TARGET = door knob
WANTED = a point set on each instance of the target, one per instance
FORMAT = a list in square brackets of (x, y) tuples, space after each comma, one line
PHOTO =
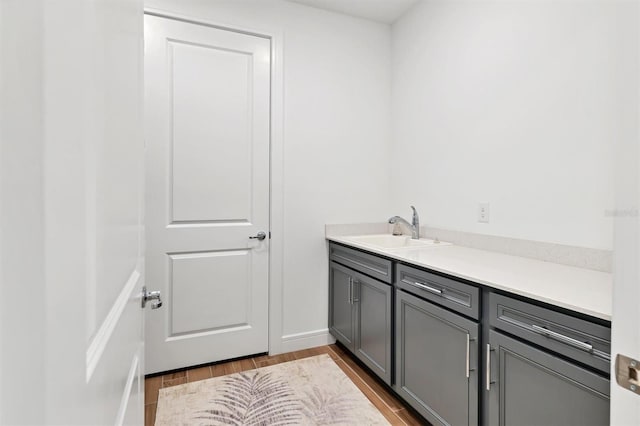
[(151, 295), (259, 236)]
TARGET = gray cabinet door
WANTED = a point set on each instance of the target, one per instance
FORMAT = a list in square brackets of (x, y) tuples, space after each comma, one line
[(373, 325), (531, 387), (341, 312), (436, 361)]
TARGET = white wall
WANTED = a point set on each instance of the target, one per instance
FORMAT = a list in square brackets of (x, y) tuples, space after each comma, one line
[(511, 103), (336, 132)]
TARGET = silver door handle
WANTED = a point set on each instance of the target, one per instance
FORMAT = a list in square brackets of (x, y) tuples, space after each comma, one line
[(259, 236), (488, 378), (562, 338), (350, 293), (468, 367), (151, 295), (467, 361)]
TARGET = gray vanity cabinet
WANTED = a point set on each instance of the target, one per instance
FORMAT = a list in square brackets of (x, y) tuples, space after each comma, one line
[(458, 346), (436, 361), (361, 312), (527, 386)]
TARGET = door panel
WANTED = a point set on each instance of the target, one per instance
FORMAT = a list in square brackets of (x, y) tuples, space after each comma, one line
[(207, 125), (431, 361), (110, 137), (341, 312), (211, 140), (373, 325), (533, 387), (198, 304)]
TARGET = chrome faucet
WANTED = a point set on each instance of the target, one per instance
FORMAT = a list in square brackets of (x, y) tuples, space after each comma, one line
[(414, 225)]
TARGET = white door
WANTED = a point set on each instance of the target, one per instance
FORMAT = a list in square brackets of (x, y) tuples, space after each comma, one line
[(207, 131), (625, 404), (72, 344), (94, 174)]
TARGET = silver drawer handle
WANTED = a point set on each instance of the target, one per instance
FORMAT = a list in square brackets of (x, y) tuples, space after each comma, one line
[(425, 287), (562, 338)]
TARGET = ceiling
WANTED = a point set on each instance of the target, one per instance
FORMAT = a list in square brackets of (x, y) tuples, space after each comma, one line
[(385, 11)]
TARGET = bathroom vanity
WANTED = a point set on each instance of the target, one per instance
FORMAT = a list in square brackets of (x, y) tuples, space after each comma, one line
[(471, 337)]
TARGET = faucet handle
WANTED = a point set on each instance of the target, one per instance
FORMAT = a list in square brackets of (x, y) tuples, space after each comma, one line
[(415, 221), (416, 218)]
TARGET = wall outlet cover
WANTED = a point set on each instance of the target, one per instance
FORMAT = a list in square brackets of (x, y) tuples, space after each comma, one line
[(483, 212)]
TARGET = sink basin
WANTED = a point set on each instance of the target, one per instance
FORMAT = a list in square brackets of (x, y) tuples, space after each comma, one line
[(393, 242)]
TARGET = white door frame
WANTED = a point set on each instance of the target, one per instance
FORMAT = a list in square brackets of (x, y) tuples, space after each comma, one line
[(276, 169)]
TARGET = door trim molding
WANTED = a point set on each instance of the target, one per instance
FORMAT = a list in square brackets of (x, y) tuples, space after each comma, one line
[(276, 169)]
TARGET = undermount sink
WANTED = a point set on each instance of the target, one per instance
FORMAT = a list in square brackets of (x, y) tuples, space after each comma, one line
[(394, 242)]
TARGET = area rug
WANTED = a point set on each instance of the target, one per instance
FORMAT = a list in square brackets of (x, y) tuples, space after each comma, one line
[(310, 391)]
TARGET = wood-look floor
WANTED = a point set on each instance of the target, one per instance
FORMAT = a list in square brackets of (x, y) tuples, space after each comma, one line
[(395, 411)]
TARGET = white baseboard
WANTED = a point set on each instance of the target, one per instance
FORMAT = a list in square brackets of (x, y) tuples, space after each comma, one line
[(306, 340)]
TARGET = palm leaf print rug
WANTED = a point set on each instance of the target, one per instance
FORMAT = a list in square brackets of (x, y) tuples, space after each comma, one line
[(310, 391)]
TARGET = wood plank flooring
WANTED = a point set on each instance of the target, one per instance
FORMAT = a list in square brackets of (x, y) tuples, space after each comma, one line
[(395, 411)]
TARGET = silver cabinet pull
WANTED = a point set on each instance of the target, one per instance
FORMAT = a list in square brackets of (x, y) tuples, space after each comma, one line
[(350, 293), (259, 236), (353, 292), (467, 361), (562, 338), (425, 287), (488, 369)]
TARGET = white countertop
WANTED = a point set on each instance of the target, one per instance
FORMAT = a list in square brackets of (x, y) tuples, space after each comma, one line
[(581, 290)]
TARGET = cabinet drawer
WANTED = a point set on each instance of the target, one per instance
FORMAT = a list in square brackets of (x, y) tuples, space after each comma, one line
[(578, 339), (455, 295), (368, 264)]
